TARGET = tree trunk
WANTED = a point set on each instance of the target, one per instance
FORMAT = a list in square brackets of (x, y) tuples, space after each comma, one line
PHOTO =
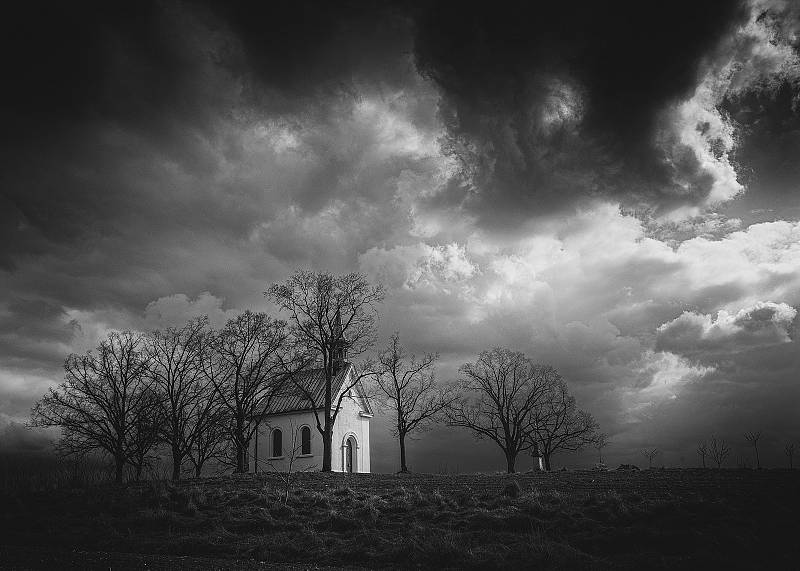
[(546, 456), (758, 462), (510, 461), (139, 468), (177, 460), (327, 447), (119, 466), (327, 434), (198, 469), (239, 457), (403, 467)]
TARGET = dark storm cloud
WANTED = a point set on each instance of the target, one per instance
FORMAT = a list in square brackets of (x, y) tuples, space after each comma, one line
[(34, 330), (769, 153), (72, 64), (146, 64), (91, 85), (133, 165), (549, 102), (544, 104), (102, 99), (312, 47)]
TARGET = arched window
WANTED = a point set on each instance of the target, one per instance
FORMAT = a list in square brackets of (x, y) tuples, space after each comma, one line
[(277, 443), (305, 440)]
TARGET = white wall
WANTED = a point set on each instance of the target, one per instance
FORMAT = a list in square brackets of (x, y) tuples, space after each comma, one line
[(348, 422), (287, 423)]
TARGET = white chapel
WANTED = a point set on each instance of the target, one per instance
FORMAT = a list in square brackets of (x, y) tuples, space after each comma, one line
[(289, 430)]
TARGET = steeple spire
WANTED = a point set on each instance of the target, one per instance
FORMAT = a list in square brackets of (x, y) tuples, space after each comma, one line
[(337, 325)]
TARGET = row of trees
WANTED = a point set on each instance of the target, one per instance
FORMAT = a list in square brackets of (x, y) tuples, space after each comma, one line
[(718, 450), (502, 397), (202, 393)]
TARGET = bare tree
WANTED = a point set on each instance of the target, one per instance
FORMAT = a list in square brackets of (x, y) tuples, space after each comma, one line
[(500, 392), (175, 368), (600, 441), (100, 401), (145, 435), (719, 451), (407, 386), (789, 451), (557, 422), (211, 433), (330, 315), (245, 364), (702, 451), (753, 438), (650, 454)]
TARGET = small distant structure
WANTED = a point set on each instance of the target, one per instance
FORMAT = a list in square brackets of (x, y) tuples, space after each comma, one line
[(538, 460), (275, 445)]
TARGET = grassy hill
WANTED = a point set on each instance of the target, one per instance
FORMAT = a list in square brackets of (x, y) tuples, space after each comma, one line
[(736, 519)]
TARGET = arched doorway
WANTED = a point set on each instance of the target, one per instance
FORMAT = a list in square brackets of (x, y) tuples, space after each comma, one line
[(350, 454)]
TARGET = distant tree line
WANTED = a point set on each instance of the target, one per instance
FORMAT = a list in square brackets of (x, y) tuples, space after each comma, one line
[(716, 451)]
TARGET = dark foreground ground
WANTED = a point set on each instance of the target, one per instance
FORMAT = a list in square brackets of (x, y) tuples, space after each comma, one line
[(659, 519)]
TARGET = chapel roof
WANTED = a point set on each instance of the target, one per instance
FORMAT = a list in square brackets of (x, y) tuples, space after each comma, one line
[(293, 399)]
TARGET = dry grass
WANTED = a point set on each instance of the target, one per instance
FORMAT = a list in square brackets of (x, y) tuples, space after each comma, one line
[(652, 519), (24, 473)]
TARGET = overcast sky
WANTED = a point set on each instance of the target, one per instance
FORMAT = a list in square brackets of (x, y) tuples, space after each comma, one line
[(608, 188)]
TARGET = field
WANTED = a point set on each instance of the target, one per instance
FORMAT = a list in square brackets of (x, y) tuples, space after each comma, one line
[(662, 519)]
